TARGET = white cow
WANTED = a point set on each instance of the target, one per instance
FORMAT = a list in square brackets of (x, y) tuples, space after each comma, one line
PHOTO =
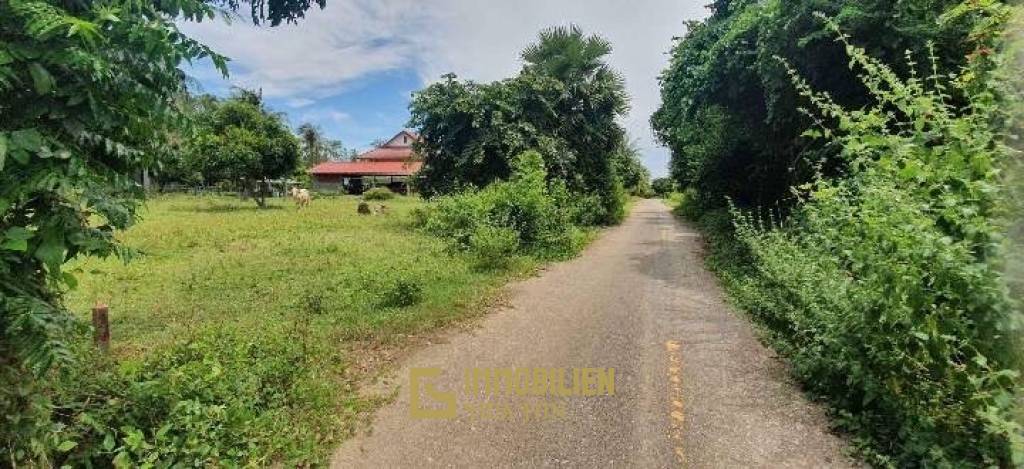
[(301, 197)]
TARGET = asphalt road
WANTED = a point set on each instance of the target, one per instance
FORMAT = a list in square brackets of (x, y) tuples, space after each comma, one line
[(693, 387)]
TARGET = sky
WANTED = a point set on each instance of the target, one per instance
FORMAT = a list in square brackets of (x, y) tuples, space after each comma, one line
[(352, 67)]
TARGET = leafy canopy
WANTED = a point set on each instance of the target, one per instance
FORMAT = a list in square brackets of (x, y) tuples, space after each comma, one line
[(729, 113), (241, 142)]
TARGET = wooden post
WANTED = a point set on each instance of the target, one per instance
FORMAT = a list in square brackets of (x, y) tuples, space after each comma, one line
[(101, 326)]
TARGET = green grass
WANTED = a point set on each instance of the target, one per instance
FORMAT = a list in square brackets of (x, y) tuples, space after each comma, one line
[(218, 260), (235, 329)]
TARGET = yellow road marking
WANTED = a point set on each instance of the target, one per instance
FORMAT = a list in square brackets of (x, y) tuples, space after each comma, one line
[(676, 390)]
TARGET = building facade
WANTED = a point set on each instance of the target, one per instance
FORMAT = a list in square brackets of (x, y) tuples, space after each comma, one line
[(392, 165)]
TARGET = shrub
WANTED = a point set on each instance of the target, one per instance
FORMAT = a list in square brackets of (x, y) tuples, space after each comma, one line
[(378, 193), (687, 204), (524, 205), (494, 246), (400, 293), (663, 187)]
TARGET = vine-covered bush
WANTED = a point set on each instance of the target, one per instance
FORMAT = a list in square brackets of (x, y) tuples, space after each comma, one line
[(89, 99), (885, 288)]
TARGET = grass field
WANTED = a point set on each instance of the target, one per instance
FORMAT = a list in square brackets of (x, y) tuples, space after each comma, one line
[(240, 335), (204, 260)]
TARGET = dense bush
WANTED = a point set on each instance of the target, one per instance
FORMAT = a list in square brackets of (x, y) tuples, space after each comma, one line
[(515, 216), (379, 193), (494, 246), (223, 398), (885, 288)]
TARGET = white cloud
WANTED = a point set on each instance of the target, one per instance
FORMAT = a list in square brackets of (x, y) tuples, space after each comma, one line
[(322, 116), (300, 102), (475, 39)]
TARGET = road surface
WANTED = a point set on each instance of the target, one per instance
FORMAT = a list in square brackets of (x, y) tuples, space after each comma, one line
[(692, 386)]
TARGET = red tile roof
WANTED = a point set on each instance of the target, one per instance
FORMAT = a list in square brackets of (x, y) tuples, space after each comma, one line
[(388, 154), (368, 168)]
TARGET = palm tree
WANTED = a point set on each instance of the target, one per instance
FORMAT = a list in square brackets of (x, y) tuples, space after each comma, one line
[(569, 55), (316, 147)]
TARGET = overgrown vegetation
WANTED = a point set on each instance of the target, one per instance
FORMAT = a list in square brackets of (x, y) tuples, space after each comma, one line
[(563, 105), (220, 397), (521, 216), (89, 100), (663, 187), (730, 114), (883, 279)]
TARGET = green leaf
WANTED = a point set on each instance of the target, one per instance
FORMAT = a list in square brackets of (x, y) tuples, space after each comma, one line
[(27, 139), (109, 442), (41, 78), (16, 239), (70, 280), (122, 460), (51, 250), (811, 133), (66, 446)]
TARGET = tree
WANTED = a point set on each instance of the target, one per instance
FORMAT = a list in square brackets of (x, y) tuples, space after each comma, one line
[(728, 112), (471, 131), (568, 55), (564, 104), (316, 147), (594, 99), (273, 11), (243, 143), (662, 187), (635, 177), (87, 101)]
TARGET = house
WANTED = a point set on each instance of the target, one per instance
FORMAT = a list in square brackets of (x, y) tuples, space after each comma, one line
[(392, 164)]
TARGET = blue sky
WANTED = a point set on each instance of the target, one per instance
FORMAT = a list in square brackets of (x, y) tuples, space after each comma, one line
[(352, 67), (368, 108)]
